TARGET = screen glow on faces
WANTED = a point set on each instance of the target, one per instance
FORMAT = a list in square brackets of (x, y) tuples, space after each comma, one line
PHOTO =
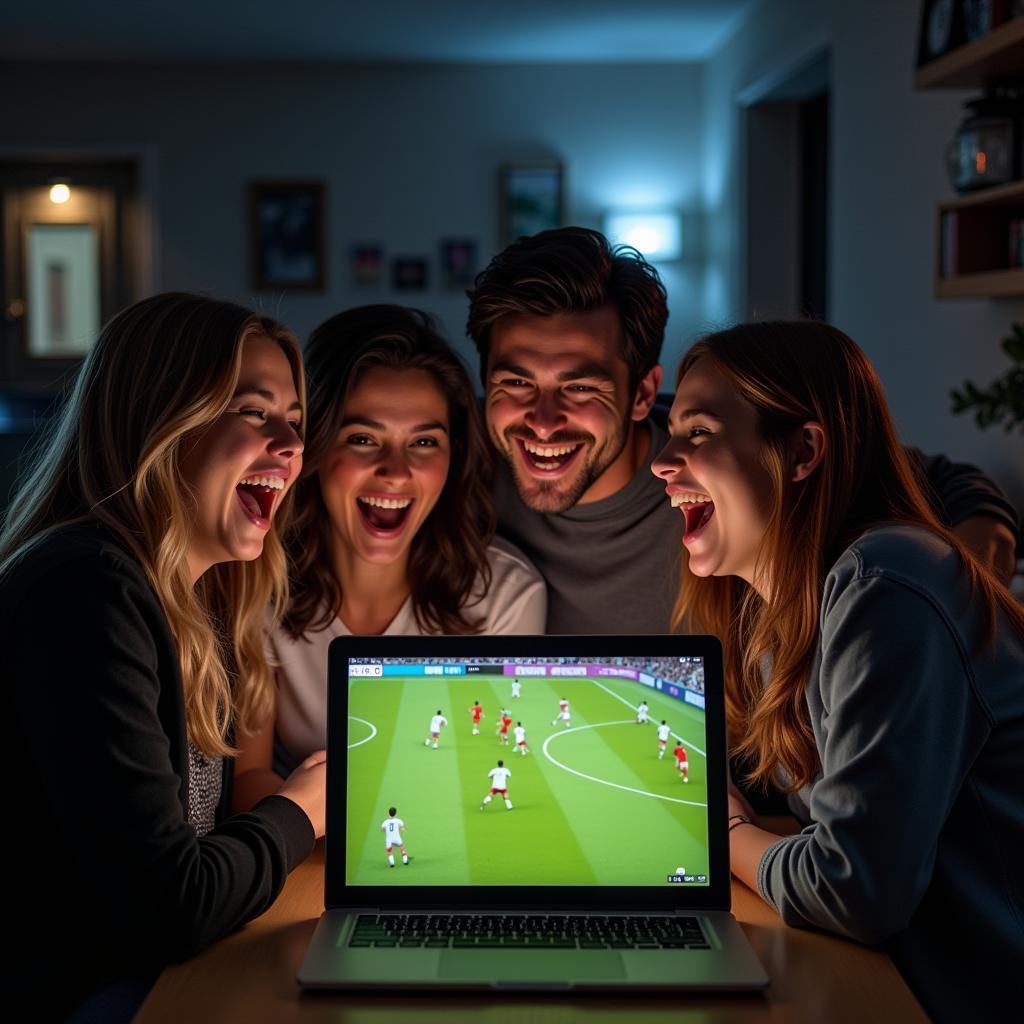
[(508, 772), (241, 465), (559, 406), (389, 464), (713, 474)]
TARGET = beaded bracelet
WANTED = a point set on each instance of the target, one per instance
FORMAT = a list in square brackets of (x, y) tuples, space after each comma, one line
[(736, 820)]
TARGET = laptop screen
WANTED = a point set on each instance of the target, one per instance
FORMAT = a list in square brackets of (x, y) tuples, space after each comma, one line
[(519, 771)]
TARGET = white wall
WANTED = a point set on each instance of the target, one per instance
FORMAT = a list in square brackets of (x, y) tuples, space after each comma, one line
[(887, 147), (410, 155)]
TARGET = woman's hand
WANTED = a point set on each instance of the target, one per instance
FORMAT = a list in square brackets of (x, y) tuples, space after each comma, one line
[(307, 787)]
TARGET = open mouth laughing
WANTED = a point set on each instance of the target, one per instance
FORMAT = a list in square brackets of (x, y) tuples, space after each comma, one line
[(549, 459), (697, 508), (384, 515), (257, 495)]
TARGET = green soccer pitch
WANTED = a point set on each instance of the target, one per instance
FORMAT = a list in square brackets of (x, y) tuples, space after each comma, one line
[(592, 804)]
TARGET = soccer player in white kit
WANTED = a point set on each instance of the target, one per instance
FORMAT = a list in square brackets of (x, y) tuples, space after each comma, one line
[(515, 687), (520, 734), (393, 828), (564, 714), (437, 723), (663, 734), (499, 784), (641, 712)]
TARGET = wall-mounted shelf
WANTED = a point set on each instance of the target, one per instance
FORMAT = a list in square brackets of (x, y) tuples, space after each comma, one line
[(993, 58), (996, 284), (972, 251)]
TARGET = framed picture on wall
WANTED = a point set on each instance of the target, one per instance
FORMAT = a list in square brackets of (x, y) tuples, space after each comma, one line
[(287, 246), (531, 198), (458, 263), (367, 264), (409, 273)]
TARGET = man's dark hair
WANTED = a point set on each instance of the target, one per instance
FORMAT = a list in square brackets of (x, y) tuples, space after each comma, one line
[(392, 811), (572, 270)]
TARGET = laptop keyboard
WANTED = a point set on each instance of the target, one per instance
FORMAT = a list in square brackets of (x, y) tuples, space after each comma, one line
[(498, 931)]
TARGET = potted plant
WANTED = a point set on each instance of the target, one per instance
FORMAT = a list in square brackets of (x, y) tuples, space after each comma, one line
[(1002, 402)]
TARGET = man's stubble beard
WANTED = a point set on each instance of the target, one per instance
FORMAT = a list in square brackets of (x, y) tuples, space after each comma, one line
[(547, 498)]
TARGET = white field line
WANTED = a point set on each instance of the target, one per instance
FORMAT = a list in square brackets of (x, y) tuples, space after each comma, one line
[(605, 782), (685, 743), (373, 731)]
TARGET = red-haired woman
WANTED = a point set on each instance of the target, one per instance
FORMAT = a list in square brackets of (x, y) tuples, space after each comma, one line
[(873, 665)]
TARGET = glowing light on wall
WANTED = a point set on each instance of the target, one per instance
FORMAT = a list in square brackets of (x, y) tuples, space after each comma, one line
[(657, 234), (59, 192)]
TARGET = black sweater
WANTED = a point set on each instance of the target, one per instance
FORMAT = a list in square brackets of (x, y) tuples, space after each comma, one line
[(105, 875)]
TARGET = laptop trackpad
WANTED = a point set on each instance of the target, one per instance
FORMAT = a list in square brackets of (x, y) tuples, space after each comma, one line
[(529, 965)]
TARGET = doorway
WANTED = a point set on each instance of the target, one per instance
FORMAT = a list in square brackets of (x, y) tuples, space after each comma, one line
[(68, 262), (786, 136)]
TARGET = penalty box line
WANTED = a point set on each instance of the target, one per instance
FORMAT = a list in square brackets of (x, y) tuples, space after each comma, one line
[(605, 782), (685, 743)]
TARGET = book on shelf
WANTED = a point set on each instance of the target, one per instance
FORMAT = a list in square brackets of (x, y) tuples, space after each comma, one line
[(949, 243)]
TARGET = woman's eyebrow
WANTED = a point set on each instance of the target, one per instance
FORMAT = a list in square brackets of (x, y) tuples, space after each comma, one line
[(264, 394), (362, 421), (689, 414)]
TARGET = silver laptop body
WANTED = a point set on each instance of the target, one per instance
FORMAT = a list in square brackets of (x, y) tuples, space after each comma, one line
[(540, 813)]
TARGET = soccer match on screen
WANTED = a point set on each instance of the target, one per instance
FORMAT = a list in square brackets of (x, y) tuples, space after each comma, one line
[(527, 772)]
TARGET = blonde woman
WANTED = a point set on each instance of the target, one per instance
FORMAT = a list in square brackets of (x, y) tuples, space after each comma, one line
[(136, 563)]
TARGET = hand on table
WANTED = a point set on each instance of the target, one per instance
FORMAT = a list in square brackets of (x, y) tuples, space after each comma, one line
[(307, 787)]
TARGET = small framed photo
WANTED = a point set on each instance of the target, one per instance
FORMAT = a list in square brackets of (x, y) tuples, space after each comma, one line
[(367, 264), (287, 235), (531, 198), (409, 273), (457, 263)]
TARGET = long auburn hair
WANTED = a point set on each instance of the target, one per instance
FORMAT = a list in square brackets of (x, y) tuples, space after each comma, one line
[(160, 373), (448, 558), (794, 372)]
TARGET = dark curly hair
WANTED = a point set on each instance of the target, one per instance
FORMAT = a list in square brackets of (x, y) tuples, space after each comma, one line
[(449, 553), (572, 270)]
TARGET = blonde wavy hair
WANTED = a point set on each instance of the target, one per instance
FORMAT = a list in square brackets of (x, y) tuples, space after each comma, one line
[(792, 373), (161, 372)]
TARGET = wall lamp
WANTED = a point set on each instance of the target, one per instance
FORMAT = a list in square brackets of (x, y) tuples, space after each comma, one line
[(657, 234)]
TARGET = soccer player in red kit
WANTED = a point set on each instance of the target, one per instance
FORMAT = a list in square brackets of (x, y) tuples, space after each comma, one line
[(681, 762), (477, 712), (503, 724)]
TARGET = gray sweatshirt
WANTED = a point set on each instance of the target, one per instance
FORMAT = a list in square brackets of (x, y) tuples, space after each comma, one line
[(916, 834)]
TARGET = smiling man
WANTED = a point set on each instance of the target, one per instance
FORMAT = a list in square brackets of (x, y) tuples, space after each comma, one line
[(569, 332)]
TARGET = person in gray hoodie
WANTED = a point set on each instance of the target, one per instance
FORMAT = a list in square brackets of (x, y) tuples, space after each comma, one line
[(874, 666)]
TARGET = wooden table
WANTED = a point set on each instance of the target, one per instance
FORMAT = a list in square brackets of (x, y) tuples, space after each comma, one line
[(249, 978)]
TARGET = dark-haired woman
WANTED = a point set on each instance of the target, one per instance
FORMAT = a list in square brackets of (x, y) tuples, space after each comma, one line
[(874, 666), (394, 524)]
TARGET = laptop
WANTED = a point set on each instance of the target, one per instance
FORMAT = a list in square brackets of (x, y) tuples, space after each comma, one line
[(527, 813)]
